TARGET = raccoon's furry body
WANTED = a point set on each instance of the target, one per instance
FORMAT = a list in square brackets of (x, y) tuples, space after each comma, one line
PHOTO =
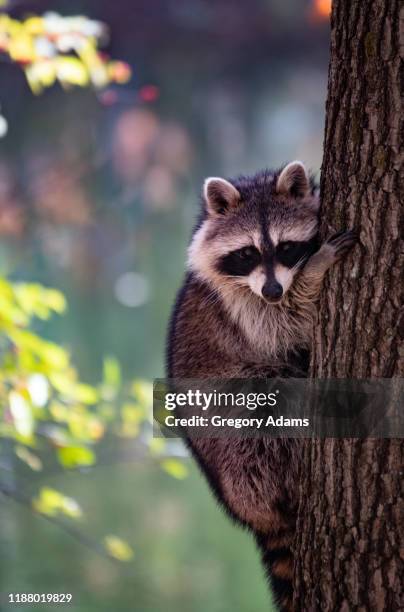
[(246, 311)]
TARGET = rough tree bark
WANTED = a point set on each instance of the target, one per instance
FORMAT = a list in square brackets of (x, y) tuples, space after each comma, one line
[(349, 547)]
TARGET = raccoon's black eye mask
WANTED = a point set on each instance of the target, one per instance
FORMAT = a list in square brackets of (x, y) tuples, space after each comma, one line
[(241, 262), (290, 253)]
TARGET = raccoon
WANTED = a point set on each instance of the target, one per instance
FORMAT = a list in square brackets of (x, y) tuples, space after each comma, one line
[(246, 309)]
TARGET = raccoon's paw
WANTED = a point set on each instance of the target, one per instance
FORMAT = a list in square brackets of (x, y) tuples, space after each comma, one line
[(341, 243), (331, 251)]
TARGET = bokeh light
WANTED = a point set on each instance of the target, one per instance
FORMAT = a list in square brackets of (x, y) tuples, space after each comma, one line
[(322, 8), (3, 126), (132, 289)]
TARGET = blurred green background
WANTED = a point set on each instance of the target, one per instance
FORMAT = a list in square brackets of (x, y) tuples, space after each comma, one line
[(98, 193)]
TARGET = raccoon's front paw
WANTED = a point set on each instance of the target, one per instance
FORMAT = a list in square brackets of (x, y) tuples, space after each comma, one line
[(329, 253), (341, 243)]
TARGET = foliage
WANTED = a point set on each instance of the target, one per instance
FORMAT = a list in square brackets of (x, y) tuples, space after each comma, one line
[(48, 414), (53, 48)]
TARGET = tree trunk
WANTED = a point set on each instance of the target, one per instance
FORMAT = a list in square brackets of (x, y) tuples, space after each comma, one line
[(349, 547)]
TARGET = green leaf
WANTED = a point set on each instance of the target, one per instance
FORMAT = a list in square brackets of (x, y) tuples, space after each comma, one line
[(157, 446), (112, 372), (132, 413), (32, 350), (75, 456), (67, 386), (175, 468), (86, 394), (84, 425), (143, 392)]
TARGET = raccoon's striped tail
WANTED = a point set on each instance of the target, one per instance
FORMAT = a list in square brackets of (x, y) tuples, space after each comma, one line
[(278, 562)]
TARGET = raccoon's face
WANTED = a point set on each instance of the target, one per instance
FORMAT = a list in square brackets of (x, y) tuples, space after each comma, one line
[(257, 233)]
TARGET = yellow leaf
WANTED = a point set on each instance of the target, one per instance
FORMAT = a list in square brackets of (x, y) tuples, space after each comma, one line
[(86, 394), (71, 70), (52, 503), (56, 300), (21, 48), (36, 299), (175, 468), (41, 74), (34, 25), (117, 548), (75, 456)]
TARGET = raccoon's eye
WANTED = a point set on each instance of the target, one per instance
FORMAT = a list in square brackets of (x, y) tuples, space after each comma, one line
[(290, 253), (240, 262), (285, 247), (247, 253)]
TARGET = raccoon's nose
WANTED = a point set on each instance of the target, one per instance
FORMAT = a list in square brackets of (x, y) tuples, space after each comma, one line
[(272, 290)]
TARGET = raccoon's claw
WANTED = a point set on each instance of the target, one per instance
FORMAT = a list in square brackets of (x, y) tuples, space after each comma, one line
[(342, 242), (331, 251)]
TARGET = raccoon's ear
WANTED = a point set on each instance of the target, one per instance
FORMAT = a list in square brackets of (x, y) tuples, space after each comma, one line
[(220, 196), (294, 180)]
